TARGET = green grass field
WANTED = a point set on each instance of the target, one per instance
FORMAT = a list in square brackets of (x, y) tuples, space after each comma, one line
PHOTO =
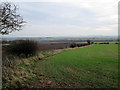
[(94, 66)]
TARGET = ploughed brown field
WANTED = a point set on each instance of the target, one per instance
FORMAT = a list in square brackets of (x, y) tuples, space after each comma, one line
[(52, 46)]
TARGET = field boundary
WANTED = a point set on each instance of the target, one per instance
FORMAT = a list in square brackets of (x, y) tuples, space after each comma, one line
[(78, 47), (66, 49)]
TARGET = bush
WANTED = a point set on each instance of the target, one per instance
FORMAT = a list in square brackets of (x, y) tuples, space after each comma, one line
[(79, 45), (73, 45), (92, 42), (88, 41), (23, 47)]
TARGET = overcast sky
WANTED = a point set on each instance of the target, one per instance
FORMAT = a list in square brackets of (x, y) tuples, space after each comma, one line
[(55, 18)]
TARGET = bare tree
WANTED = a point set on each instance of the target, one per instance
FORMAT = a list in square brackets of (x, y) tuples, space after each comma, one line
[(9, 19)]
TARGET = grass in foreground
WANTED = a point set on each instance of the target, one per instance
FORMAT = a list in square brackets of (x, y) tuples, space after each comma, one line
[(95, 66), (22, 72)]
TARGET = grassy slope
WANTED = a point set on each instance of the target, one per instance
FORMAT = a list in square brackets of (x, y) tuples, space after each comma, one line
[(23, 72), (94, 66)]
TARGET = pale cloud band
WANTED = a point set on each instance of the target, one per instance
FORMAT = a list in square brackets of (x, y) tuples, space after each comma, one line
[(68, 17)]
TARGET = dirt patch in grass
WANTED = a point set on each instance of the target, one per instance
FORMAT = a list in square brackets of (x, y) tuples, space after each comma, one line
[(43, 83), (71, 70)]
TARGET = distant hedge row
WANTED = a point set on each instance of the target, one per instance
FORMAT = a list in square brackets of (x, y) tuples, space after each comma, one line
[(102, 43), (105, 43), (78, 45)]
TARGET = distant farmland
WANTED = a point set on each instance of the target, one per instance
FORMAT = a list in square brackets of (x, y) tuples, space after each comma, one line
[(63, 39), (52, 46)]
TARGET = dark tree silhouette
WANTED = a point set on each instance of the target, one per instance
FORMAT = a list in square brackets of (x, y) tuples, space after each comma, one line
[(9, 19), (88, 41), (23, 47)]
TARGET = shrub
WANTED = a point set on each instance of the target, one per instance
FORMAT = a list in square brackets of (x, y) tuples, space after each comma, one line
[(79, 45), (23, 47), (73, 45), (92, 42), (88, 41)]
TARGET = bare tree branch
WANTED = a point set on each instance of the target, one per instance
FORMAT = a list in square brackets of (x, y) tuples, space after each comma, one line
[(10, 21)]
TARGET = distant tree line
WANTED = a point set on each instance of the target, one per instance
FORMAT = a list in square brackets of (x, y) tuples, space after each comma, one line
[(106, 43), (80, 44), (73, 45)]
